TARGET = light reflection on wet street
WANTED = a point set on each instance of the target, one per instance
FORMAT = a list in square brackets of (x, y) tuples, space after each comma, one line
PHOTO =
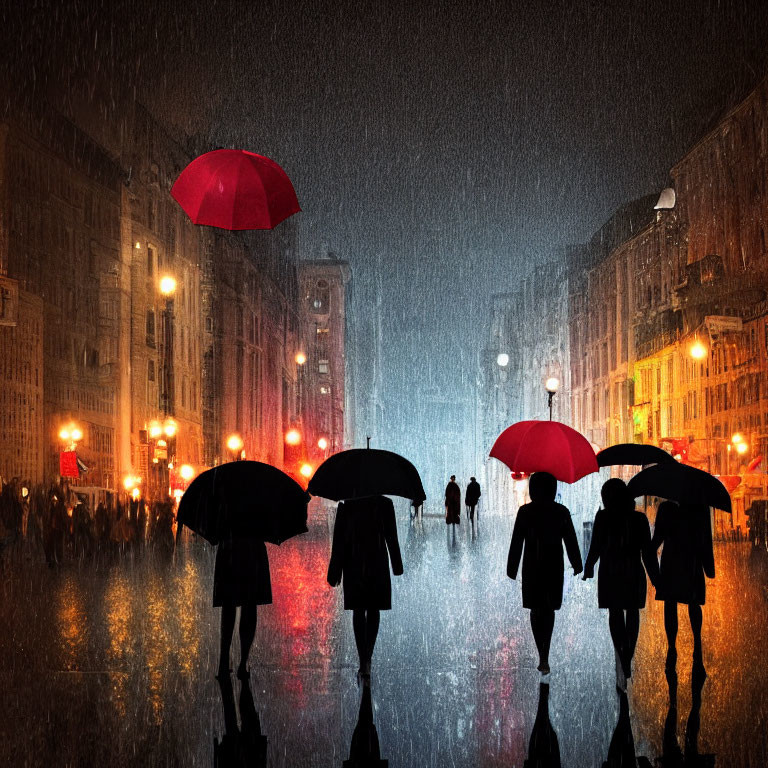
[(112, 661)]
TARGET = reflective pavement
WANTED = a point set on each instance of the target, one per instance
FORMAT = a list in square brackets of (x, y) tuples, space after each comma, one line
[(112, 662)]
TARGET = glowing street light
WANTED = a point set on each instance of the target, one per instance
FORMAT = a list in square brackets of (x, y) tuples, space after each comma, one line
[(293, 437), (300, 358), (155, 429), (235, 443), (736, 438), (167, 285), (70, 434), (741, 448), (170, 427), (322, 443), (502, 360), (551, 385), (187, 472), (306, 470), (697, 350)]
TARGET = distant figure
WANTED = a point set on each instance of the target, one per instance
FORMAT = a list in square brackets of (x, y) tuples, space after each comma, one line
[(472, 496), (452, 502), (543, 526), (621, 536), (240, 579), (686, 533), (364, 541)]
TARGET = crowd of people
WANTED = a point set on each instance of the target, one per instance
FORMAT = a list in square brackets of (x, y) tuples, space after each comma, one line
[(59, 523)]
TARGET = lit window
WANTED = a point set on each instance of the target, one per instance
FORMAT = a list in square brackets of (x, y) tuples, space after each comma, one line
[(323, 366), (325, 390)]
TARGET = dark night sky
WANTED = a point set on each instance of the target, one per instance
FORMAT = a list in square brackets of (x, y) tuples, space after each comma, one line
[(458, 141)]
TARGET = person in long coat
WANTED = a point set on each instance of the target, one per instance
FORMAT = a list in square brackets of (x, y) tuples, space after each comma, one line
[(240, 579), (452, 502), (541, 528), (685, 531), (364, 542), (621, 541), (472, 496)]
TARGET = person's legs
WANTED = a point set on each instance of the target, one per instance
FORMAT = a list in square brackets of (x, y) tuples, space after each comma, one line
[(227, 628), (359, 627), (670, 627), (542, 624), (372, 631), (694, 613), (633, 629), (619, 636), (247, 633)]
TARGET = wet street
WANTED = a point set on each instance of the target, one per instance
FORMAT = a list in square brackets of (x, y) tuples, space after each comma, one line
[(112, 662)]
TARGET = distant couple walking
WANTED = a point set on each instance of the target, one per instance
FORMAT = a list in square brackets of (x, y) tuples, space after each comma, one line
[(453, 500), (622, 542)]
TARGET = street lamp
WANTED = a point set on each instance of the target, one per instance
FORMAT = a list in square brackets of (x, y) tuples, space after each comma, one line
[(235, 445), (551, 385), (306, 470), (322, 443), (293, 437), (502, 360), (697, 350), (167, 290), (300, 358), (70, 435)]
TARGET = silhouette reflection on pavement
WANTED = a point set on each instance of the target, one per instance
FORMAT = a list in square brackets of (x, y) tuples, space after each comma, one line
[(243, 746), (543, 748), (364, 750)]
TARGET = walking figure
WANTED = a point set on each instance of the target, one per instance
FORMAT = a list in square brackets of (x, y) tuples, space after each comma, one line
[(541, 527), (621, 541), (471, 497), (685, 532), (364, 542), (452, 502), (240, 579)]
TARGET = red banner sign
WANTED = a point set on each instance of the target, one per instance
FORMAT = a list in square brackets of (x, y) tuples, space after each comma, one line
[(68, 464)]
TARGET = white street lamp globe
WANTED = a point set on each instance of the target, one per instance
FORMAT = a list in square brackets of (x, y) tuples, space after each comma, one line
[(502, 360), (551, 385)]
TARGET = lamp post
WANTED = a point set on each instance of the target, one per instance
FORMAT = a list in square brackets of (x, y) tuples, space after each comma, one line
[(235, 446), (167, 290), (551, 385)]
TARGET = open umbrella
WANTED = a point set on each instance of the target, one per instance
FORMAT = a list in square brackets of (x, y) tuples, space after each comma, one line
[(681, 483), (632, 454), (235, 189), (244, 498), (545, 446), (360, 472)]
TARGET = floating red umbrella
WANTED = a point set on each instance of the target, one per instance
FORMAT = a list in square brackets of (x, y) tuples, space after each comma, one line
[(545, 446), (235, 189)]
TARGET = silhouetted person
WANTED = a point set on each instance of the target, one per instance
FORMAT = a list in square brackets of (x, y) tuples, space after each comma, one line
[(364, 751), (621, 541), (472, 496), (686, 533), (621, 751), (543, 526), (243, 746), (543, 747), (452, 502), (364, 541), (240, 579)]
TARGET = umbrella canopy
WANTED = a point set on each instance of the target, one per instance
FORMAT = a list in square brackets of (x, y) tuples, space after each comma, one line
[(545, 446), (244, 498), (361, 472), (681, 483), (235, 189), (632, 454)]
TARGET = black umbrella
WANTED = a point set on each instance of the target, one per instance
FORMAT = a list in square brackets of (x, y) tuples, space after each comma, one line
[(681, 483), (632, 454), (361, 472), (245, 499)]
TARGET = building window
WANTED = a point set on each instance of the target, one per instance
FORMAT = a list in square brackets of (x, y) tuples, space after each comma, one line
[(151, 262), (323, 366), (209, 324), (325, 390), (150, 370), (150, 327)]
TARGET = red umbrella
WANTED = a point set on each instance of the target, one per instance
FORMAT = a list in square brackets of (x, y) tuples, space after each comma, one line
[(235, 189), (545, 446)]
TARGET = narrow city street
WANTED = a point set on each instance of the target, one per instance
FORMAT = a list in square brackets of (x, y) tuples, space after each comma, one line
[(111, 661)]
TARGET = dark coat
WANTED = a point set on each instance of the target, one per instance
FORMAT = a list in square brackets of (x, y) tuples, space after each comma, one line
[(241, 573), (364, 541), (472, 494), (686, 533), (620, 538), (543, 527), (452, 503)]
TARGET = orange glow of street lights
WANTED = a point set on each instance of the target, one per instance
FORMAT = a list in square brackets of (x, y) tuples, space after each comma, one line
[(235, 443), (155, 429), (300, 358), (167, 285), (741, 448), (187, 472), (170, 427), (293, 437), (322, 443), (698, 351), (306, 470), (71, 434)]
